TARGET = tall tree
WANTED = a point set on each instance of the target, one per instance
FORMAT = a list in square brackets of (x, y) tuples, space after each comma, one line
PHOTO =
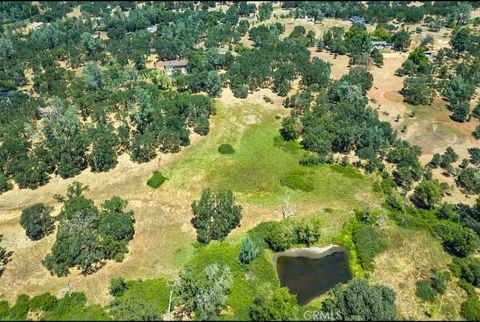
[(215, 215)]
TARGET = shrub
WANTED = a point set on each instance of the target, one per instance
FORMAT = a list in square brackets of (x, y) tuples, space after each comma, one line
[(133, 309), (469, 180), (156, 180), (226, 149), (19, 310), (447, 212), (470, 309), (36, 221), (388, 185), (476, 132), (204, 293), (311, 159), (396, 201), (118, 286), (428, 194), (274, 304), (142, 300), (462, 241), (5, 184), (362, 302), (474, 155), (44, 302), (425, 290), (267, 99), (248, 251), (280, 237), (368, 244), (307, 231), (440, 280), (290, 129), (468, 269)]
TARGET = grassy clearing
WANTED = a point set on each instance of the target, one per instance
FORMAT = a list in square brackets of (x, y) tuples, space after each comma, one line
[(261, 160), (156, 180), (409, 257), (298, 180)]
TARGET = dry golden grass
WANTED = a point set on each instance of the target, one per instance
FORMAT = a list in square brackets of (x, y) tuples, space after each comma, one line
[(410, 257)]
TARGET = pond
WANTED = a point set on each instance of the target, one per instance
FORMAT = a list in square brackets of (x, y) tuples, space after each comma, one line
[(311, 272)]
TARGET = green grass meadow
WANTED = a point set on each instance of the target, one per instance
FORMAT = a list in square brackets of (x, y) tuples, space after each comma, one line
[(264, 168)]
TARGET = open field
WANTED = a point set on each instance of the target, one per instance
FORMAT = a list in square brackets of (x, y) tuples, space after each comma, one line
[(410, 256), (164, 235)]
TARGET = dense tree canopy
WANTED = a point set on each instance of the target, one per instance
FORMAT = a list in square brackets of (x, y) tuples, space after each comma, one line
[(362, 301), (37, 221), (87, 237), (215, 215)]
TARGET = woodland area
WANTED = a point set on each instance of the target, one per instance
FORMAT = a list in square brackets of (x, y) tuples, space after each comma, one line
[(80, 91)]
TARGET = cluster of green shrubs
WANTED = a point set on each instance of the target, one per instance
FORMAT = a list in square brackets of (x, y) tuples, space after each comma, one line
[(468, 270), (139, 300), (366, 238), (282, 235), (361, 301), (428, 289), (368, 244), (470, 309), (459, 233), (69, 308)]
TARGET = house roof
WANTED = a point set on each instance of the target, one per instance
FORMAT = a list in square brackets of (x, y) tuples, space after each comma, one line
[(152, 28), (175, 63)]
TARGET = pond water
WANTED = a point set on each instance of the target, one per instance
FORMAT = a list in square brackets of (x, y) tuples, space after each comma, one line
[(310, 273)]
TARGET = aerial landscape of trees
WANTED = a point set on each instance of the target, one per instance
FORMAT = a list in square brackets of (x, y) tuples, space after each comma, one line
[(86, 93)]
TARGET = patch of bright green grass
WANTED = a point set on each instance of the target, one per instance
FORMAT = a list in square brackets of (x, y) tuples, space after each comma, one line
[(156, 180), (261, 159), (298, 179), (287, 146)]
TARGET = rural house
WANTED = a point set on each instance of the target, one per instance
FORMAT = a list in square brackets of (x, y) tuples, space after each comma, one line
[(380, 44), (170, 65)]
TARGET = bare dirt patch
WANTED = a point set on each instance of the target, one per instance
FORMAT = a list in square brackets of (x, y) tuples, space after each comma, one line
[(75, 13), (339, 63)]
